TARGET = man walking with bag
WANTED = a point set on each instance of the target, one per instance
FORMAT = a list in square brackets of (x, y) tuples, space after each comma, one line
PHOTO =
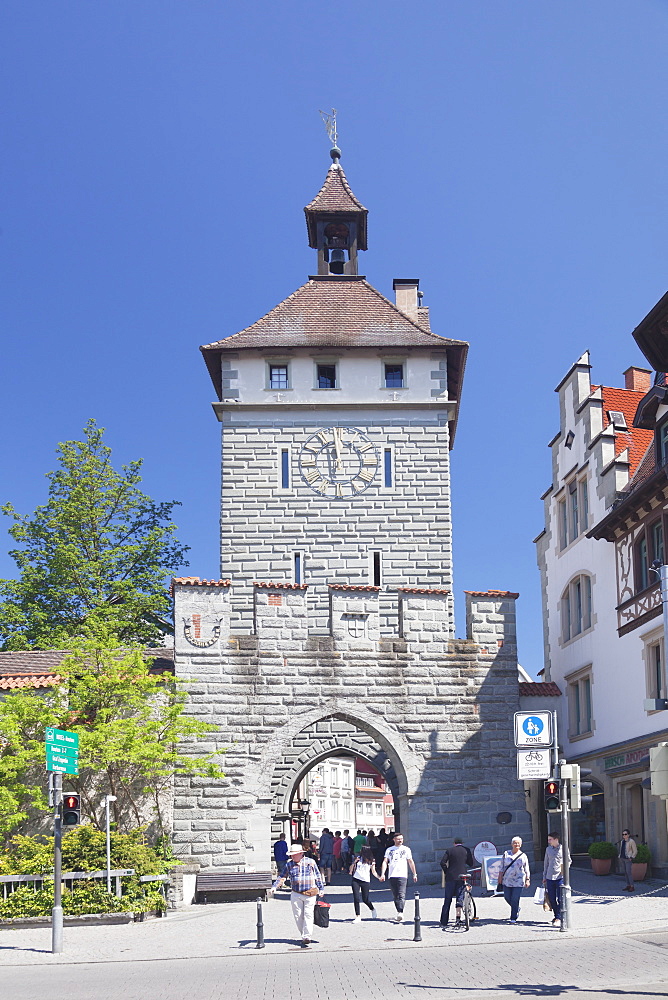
[(306, 883)]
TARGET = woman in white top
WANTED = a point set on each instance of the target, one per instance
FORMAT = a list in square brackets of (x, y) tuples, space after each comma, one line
[(362, 868), (514, 876)]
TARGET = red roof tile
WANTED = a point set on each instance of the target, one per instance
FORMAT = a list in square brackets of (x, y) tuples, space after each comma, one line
[(537, 688), (491, 593), (636, 440), (38, 668), (281, 586), (350, 586), (421, 590), (194, 581), (335, 194)]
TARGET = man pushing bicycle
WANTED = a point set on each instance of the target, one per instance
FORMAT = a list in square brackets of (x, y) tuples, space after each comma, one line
[(454, 863)]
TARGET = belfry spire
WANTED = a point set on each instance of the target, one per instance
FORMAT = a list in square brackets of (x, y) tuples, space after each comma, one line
[(336, 219)]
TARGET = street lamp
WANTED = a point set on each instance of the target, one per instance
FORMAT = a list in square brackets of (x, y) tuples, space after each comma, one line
[(107, 800)]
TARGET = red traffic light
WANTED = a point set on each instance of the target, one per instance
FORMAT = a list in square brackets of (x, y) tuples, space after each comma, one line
[(551, 795), (71, 810)]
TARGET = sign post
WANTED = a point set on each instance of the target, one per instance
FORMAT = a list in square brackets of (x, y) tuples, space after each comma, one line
[(62, 757)]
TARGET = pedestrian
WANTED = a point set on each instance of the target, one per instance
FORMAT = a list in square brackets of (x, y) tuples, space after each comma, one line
[(311, 851), (306, 883), (359, 842), (380, 848), (326, 847), (336, 850), (553, 878), (361, 871), (627, 853), (456, 860), (514, 876), (280, 853), (347, 850), (396, 862)]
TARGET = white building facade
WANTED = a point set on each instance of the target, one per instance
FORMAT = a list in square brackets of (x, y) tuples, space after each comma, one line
[(602, 662)]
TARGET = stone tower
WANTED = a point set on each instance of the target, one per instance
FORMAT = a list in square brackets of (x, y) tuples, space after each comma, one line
[(331, 628)]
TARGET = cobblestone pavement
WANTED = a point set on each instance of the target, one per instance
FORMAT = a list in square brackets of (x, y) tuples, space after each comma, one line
[(619, 947)]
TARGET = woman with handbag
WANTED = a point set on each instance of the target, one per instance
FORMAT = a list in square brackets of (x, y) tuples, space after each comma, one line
[(361, 871), (514, 876), (306, 883)]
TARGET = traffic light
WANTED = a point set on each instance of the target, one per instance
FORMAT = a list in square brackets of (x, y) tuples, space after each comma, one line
[(658, 770), (71, 810), (551, 796), (579, 788)]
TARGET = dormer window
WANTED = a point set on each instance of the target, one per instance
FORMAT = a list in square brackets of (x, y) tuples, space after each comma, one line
[(662, 444), (618, 420), (278, 377)]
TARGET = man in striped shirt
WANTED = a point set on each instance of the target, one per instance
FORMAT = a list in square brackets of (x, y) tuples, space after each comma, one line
[(305, 877)]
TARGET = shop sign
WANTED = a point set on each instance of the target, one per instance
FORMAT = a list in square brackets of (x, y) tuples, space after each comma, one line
[(626, 759)]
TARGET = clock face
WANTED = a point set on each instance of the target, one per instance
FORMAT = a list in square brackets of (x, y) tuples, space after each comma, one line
[(338, 462)]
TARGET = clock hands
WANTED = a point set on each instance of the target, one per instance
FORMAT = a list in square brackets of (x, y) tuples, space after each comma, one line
[(337, 445)]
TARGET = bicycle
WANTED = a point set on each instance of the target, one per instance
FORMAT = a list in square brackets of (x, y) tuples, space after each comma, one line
[(468, 904)]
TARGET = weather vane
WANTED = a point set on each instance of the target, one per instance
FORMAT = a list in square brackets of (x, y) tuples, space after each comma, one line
[(329, 120)]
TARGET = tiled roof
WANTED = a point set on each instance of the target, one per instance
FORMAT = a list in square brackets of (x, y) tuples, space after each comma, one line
[(350, 586), (335, 194), (491, 593), (421, 590), (636, 440), (535, 689), (39, 668), (194, 581), (281, 586), (333, 311)]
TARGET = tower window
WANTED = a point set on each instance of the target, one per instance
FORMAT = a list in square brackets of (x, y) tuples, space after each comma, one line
[(387, 466), (298, 567), (285, 469), (326, 376), (278, 377), (394, 376), (376, 568)]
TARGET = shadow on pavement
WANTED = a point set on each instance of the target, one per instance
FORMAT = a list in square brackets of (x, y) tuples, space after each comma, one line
[(537, 990)]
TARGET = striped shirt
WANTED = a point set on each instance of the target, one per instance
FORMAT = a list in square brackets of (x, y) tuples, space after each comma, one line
[(303, 875)]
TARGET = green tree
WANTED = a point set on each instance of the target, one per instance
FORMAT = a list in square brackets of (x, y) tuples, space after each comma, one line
[(134, 737), (95, 555)]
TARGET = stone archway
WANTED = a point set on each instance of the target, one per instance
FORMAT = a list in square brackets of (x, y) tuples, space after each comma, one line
[(317, 741)]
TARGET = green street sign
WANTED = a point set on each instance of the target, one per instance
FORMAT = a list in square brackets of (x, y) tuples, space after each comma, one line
[(57, 752), (62, 738), (62, 763)]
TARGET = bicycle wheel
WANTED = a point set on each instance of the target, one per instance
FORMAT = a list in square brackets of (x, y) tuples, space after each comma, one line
[(468, 906)]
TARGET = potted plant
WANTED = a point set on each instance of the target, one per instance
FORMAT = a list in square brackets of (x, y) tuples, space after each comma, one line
[(601, 853), (640, 863)]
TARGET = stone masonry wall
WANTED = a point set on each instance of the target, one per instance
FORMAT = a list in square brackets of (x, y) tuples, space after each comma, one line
[(262, 525), (438, 711)]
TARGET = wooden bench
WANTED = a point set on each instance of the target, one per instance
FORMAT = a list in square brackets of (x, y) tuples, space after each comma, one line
[(219, 887)]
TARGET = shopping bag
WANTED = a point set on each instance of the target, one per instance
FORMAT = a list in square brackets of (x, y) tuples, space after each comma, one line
[(321, 914), (539, 896)]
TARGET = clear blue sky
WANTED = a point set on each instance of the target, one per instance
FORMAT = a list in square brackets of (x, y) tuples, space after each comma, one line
[(512, 154)]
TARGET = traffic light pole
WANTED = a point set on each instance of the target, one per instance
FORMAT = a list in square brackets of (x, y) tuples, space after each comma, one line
[(566, 846), (57, 911)]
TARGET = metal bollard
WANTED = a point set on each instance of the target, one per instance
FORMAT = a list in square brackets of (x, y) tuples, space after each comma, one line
[(260, 925), (417, 936)]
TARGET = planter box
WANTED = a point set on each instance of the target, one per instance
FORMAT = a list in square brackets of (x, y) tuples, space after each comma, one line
[(639, 870), (601, 866), (80, 920)]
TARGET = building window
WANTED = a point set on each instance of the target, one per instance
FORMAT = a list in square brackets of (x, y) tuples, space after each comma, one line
[(360, 808), (394, 376), (387, 466), (581, 722), (662, 444), (346, 810), (334, 777), (346, 777), (573, 511), (641, 563), (389, 809), (656, 538), (368, 808), (326, 377), (278, 377), (576, 614), (376, 569), (298, 568), (335, 809), (285, 469), (584, 504), (655, 671), (379, 808), (364, 782), (562, 519)]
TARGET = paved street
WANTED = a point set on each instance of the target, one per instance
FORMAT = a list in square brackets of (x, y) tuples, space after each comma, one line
[(619, 947)]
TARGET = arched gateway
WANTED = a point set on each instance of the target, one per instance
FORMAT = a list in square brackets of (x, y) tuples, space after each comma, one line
[(335, 629)]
